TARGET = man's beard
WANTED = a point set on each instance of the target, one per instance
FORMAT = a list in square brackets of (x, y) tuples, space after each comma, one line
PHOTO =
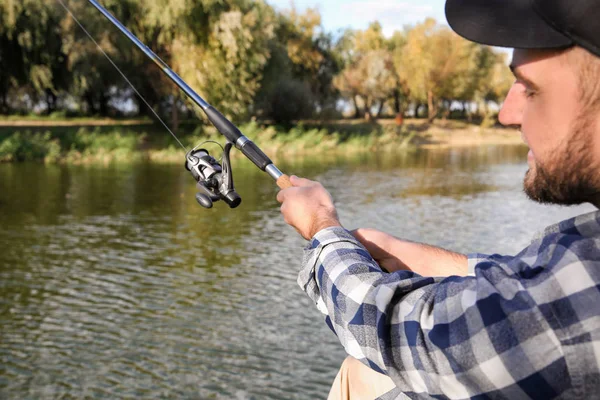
[(570, 176)]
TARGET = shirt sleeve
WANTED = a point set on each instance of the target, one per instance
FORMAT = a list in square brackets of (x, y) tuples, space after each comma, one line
[(458, 337)]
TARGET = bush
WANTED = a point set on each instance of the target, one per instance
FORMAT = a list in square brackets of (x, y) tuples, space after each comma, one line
[(81, 146), (99, 145), (28, 146), (96, 141)]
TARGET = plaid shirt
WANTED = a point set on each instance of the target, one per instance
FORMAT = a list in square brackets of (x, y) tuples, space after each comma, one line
[(524, 326)]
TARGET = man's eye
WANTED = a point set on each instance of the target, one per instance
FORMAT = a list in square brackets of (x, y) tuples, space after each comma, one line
[(530, 93)]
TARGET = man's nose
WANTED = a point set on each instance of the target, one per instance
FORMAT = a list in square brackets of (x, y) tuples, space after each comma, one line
[(512, 108)]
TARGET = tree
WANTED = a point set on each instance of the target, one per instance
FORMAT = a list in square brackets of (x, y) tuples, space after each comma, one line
[(31, 56), (348, 82), (500, 81), (370, 39), (240, 55), (369, 76), (378, 79), (92, 78), (433, 58), (227, 65), (298, 78), (401, 93)]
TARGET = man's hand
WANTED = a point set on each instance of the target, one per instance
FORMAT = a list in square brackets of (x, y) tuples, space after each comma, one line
[(307, 207), (395, 254), (380, 245)]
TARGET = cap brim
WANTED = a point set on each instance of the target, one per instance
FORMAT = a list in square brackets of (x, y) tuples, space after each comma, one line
[(503, 23)]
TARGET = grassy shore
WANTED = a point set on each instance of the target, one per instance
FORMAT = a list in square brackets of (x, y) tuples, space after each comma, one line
[(89, 140)]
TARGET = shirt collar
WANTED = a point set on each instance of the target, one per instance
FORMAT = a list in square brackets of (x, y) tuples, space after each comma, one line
[(585, 224)]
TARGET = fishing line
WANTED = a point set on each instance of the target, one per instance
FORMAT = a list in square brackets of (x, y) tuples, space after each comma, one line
[(122, 74)]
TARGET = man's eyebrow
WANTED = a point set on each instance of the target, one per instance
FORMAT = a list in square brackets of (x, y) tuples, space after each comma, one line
[(519, 75)]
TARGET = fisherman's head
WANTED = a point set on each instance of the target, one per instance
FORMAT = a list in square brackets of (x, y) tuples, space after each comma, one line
[(555, 100)]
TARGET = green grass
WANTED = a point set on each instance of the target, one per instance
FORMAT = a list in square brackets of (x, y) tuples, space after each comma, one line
[(303, 139), (76, 144)]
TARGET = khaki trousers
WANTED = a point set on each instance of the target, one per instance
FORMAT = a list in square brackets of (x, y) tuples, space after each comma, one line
[(355, 381)]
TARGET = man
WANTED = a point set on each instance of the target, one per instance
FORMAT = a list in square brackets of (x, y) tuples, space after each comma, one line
[(524, 326)]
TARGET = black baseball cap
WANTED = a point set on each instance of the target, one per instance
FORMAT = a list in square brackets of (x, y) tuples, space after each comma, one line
[(528, 24)]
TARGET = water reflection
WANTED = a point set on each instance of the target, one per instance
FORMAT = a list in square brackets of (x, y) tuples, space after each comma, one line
[(116, 284)]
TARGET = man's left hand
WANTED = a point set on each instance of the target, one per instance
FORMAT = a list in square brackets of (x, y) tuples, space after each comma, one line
[(307, 207)]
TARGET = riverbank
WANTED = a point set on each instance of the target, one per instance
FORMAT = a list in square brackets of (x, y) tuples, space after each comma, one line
[(84, 141)]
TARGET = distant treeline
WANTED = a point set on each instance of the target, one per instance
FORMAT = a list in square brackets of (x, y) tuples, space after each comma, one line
[(243, 56)]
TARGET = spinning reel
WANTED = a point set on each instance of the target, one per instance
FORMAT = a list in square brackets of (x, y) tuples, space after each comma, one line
[(215, 182)]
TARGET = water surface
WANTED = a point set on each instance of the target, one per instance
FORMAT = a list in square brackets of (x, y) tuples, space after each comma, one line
[(114, 283)]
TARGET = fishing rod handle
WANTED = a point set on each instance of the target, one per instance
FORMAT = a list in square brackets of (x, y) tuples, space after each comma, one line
[(233, 135), (284, 182)]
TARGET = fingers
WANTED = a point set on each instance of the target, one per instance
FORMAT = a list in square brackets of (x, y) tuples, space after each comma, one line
[(366, 233), (296, 181), (281, 196), (282, 209), (370, 238)]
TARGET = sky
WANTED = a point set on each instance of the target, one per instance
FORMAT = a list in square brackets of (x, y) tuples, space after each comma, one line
[(392, 14)]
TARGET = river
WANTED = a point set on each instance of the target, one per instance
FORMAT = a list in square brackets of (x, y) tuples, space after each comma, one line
[(116, 284)]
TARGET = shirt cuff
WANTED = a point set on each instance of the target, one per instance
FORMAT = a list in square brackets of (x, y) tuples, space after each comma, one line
[(307, 278), (331, 235)]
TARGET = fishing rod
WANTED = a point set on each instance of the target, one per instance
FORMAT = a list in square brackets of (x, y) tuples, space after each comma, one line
[(215, 181)]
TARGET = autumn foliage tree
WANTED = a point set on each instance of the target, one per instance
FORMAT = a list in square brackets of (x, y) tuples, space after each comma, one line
[(243, 56), (427, 64), (369, 78)]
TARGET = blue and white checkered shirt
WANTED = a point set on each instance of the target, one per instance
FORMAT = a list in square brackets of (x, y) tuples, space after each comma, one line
[(524, 326)]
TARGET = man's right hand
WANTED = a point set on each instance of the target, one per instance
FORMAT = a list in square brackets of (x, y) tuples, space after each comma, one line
[(394, 254), (380, 245)]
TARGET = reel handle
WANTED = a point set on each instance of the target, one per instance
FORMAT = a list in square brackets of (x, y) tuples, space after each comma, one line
[(284, 182)]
